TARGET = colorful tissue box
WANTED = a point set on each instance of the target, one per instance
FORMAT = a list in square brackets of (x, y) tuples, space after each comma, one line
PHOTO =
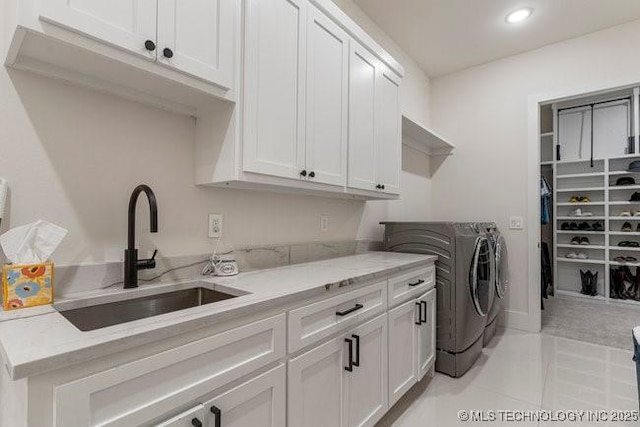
[(27, 285)]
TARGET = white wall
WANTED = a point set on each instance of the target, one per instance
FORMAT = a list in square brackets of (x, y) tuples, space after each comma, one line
[(484, 111), (72, 156)]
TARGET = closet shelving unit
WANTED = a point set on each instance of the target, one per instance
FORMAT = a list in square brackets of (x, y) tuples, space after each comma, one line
[(596, 180)]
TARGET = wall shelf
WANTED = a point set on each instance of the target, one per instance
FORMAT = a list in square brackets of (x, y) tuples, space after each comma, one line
[(421, 138)]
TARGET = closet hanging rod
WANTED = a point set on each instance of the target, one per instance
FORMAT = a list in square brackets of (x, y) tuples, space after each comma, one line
[(626, 98)]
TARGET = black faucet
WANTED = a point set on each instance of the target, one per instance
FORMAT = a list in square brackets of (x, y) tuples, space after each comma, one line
[(131, 262)]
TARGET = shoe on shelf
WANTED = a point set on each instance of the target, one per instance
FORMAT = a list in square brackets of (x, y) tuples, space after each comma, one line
[(636, 213), (633, 244), (626, 227), (638, 228), (584, 241), (624, 243), (585, 199), (576, 212), (575, 240), (571, 255), (597, 227), (586, 213), (574, 199), (574, 226), (625, 213), (625, 259), (582, 255), (564, 226), (635, 197), (584, 226)]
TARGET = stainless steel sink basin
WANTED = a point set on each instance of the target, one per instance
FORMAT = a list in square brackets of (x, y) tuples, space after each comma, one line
[(114, 313)]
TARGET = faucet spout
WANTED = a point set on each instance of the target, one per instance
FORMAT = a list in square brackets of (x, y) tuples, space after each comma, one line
[(131, 263)]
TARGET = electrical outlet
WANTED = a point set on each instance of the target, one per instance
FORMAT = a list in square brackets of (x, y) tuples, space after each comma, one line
[(324, 223), (215, 225), (516, 223)]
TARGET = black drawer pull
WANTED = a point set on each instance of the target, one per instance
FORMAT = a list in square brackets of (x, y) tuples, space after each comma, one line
[(356, 361), (419, 282), (419, 317), (424, 305), (351, 310), (218, 414), (349, 367), (196, 422)]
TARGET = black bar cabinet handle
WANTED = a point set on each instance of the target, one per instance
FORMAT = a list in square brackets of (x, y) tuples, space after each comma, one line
[(217, 414), (419, 282), (196, 422), (349, 368), (356, 361), (419, 322), (351, 310), (424, 305)]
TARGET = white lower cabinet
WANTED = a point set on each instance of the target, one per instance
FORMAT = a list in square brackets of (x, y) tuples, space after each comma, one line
[(411, 343), (193, 417), (259, 402), (342, 382), (427, 333)]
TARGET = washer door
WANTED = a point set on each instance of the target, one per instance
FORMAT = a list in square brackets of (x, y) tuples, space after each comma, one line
[(480, 277), (501, 267)]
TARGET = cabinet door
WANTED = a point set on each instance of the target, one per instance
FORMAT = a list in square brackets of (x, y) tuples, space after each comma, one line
[(123, 23), (326, 95), (427, 334), (403, 349), (273, 141), (200, 36), (362, 113), (188, 418), (365, 390), (315, 386), (389, 129), (574, 133), (259, 402)]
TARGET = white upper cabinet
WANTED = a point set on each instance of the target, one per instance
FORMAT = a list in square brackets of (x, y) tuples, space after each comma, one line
[(127, 24), (273, 142), (388, 133), (362, 113), (326, 96), (194, 37), (374, 124)]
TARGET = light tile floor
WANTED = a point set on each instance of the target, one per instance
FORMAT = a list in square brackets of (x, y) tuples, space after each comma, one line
[(526, 371)]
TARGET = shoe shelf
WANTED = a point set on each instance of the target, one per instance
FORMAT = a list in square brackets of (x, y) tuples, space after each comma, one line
[(580, 175), (628, 264), (582, 261), (578, 190), (596, 179), (623, 248), (624, 187), (577, 247), (579, 232), (582, 218), (579, 204)]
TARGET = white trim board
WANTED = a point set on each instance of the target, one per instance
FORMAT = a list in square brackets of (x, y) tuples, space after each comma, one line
[(533, 316)]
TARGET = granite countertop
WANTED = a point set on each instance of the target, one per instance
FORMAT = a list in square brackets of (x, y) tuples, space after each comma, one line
[(38, 340)]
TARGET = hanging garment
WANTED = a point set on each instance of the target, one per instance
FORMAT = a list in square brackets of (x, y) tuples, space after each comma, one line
[(545, 201)]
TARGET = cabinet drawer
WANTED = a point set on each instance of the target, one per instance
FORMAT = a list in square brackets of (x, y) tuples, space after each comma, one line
[(138, 391), (411, 285), (316, 321)]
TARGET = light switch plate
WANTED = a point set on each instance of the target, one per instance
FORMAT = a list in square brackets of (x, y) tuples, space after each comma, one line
[(324, 223), (516, 223)]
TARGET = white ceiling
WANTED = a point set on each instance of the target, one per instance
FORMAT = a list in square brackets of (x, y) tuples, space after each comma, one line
[(450, 35)]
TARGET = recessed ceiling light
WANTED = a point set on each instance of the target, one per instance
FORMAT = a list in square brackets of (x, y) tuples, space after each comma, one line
[(519, 15)]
